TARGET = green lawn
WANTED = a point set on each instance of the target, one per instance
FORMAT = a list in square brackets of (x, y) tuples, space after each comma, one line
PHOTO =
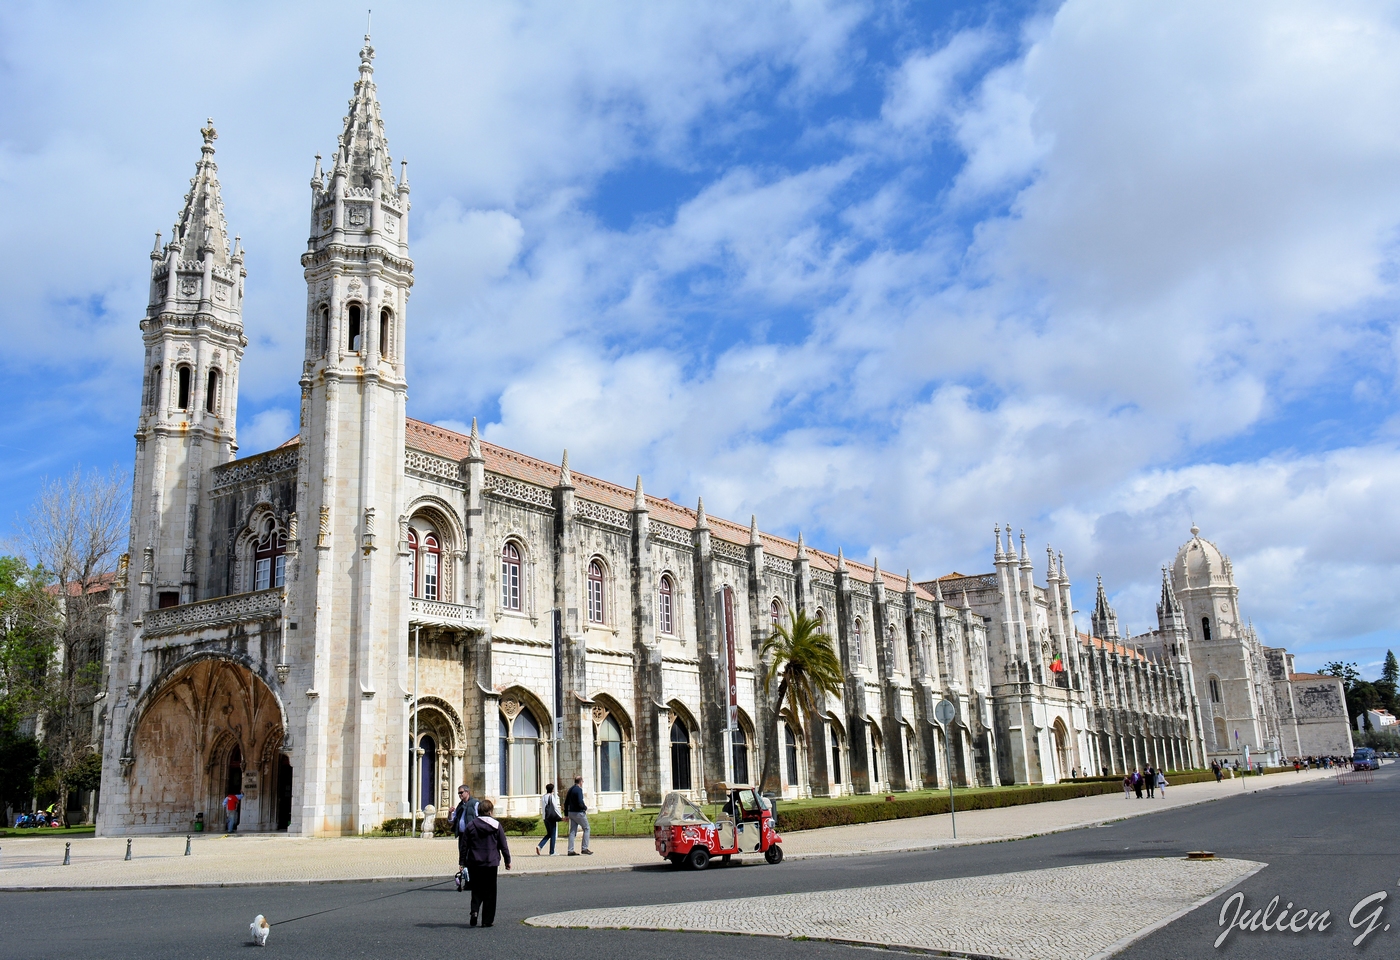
[(78, 831)]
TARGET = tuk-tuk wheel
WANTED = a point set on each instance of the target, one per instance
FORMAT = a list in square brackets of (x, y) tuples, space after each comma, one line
[(774, 854), (699, 858)]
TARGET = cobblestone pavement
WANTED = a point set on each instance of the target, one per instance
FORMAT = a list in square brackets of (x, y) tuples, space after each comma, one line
[(1065, 913), (35, 861)]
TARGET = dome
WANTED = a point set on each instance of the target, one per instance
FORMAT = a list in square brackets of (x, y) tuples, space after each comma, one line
[(1197, 562)]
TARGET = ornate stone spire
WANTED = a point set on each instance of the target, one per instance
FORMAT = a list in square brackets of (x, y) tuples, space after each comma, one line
[(566, 479), (1052, 574), (364, 147), (474, 443), (1025, 554), (875, 577), (1169, 606), (908, 580), (754, 539), (801, 547), (1104, 621), (996, 538), (938, 590), (841, 561), (700, 522), (639, 499), (200, 224)]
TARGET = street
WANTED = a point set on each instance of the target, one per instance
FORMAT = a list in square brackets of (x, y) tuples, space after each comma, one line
[(1327, 847)]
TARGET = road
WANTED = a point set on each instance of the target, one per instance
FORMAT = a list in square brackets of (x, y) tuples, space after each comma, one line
[(1327, 848)]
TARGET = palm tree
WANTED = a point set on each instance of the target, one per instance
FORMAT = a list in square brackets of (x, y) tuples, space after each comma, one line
[(801, 653)]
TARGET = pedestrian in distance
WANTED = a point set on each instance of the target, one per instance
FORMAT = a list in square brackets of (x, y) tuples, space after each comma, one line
[(1127, 786), (486, 848), (1149, 779), (461, 817), (577, 812), (1162, 783), (549, 812), (231, 804), (1215, 768), (1137, 783)]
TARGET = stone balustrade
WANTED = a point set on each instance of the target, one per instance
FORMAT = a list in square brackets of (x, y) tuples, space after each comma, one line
[(441, 614), (219, 612)]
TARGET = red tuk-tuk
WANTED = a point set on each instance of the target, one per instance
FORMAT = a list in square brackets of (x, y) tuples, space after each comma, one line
[(685, 835)]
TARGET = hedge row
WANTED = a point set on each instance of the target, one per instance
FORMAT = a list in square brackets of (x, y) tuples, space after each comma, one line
[(399, 826), (810, 818)]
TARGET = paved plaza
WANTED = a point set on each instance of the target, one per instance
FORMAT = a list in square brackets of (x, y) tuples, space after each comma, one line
[(1066, 913), (220, 860)]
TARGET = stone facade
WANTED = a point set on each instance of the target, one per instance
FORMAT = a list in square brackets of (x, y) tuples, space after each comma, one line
[(349, 625)]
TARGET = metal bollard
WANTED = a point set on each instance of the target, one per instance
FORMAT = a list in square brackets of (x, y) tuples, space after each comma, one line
[(128, 849), (187, 845), (67, 854)]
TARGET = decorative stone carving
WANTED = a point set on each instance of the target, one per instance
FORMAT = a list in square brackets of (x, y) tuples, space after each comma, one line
[(599, 714), (324, 534), (725, 550), (223, 611), (357, 215), (598, 513), (262, 469), (511, 708), (505, 488), (415, 461), (666, 533), (189, 286)]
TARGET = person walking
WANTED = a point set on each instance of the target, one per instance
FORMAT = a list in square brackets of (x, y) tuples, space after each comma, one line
[(231, 803), (549, 811), (1137, 783), (461, 817), (1215, 768), (1162, 784), (1149, 778), (1127, 786), (486, 848), (577, 812)]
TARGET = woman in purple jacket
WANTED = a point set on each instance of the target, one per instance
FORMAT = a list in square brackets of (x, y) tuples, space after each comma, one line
[(486, 847)]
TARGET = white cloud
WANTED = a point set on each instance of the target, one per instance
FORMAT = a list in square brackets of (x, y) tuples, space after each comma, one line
[(268, 429)]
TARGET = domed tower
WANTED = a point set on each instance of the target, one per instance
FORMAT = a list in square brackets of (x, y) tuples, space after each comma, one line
[(348, 603), (1226, 659)]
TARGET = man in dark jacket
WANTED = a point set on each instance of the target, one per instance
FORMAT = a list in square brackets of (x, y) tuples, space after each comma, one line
[(486, 848), (464, 814), (577, 812)]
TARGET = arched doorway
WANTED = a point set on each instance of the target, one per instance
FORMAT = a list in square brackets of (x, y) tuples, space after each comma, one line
[(211, 728), (284, 791), (1061, 749)]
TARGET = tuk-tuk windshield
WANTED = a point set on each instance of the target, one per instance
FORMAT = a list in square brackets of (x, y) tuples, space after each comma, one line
[(678, 809)]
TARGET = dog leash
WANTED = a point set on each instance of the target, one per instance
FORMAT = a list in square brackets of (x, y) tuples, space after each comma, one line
[(358, 903)]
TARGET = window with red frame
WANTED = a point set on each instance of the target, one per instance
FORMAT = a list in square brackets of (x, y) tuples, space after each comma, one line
[(431, 556), (269, 558), (412, 562), (665, 597), (595, 592), (510, 577)]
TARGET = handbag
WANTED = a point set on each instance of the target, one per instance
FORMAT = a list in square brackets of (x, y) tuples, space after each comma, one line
[(551, 812)]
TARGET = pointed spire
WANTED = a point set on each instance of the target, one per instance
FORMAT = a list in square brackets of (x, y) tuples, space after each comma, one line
[(1025, 554), (938, 590), (155, 251), (364, 148), (841, 561), (754, 539), (474, 443), (996, 538), (639, 499), (1103, 620), (965, 604), (801, 547), (201, 223), (566, 479), (1051, 574), (1064, 577), (875, 577), (908, 580), (700, 522), (1169, 605), (318, 179), (403, 175)]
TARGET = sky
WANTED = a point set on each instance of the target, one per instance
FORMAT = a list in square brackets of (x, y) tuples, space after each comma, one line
[(886, 273)]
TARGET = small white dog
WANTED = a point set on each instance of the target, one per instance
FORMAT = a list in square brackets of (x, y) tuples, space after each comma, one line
[(259, 929)]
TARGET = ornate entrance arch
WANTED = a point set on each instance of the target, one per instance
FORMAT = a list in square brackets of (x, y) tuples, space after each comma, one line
[(210, 723)]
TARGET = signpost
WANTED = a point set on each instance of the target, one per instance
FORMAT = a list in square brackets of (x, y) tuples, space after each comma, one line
[(945, 713), (725, 601)]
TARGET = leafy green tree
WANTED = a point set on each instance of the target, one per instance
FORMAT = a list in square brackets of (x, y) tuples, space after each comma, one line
[(28, 639), (800, 657)]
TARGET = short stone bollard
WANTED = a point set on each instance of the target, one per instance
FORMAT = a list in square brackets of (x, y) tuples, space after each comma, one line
[(128, 849), (67, 854), (187, 845)]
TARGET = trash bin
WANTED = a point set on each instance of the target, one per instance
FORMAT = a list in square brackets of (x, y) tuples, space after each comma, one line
[(197, 824)]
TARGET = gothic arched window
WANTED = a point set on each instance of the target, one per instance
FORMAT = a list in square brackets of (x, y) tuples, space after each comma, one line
[(775, 614), (182, 393), (270, 557), (790, 753), (385, 343), (211, 393), (323, 344), (432, 555), (665, 599), (609, 755), (353, 328), (595, 592), (510, 577), (520, 756), (859, 642), (1205, 628), (741, 755), (412, 562), (835, 756), (680, 756)]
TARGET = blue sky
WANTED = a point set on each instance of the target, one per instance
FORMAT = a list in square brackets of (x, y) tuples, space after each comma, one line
[(887, 273)]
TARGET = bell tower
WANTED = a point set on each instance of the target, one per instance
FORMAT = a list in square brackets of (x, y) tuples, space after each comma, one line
[(193, 332), (351, 642)]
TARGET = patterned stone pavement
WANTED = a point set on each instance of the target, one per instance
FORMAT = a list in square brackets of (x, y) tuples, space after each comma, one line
[(1065, 913), (36, 861)]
